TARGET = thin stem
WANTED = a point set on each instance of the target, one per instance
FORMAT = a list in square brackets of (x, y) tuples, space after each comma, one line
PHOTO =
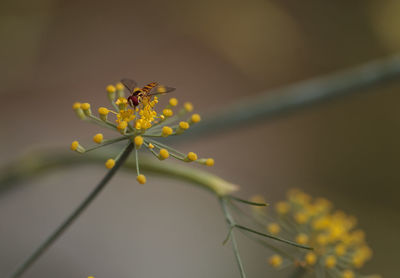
[(231, 223), (273, 237), (75, 214), (107, 142), (248, 202), (137, 161)]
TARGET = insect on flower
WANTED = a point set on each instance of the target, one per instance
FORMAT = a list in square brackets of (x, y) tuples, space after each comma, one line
[(140, 123), (138, 94)]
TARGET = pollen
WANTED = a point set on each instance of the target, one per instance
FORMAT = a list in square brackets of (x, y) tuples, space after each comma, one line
[(330, 261), (275, 261), (188, 106), (138, 141), (166, 131), (164, 154), (98, 138), (141, 179), (184, 125), (195, 118), (273, 228), (191, 156), (210, 162), (110, 89), (311, 258), (173, 101), (168, 112), (110, 163)]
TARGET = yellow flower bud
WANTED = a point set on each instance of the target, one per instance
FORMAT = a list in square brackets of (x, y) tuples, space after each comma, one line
[(340, 249), (210, 162), (330, 261), (103, 112), (110, 89), (184, 125), (173, 102), (191, 156), (273, 228), (311, 258), (168, 112), (164, 154), (122, 125), (302, 238), (122, 103), (86, 109), (141, 179), (188, 107), (195, 118), (76, 105), (348, 274), (138, 141), (301, 217), (275, 261), (119, 86), (151, 146), (166, 131), (98, 138), (282, 207), (110, 163), (75, 146)]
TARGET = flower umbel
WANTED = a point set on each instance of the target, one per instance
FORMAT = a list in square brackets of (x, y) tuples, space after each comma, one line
[(338, 248), (141, 124)]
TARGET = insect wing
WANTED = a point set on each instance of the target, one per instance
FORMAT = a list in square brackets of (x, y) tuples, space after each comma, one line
[(160, 90), (129, 84)]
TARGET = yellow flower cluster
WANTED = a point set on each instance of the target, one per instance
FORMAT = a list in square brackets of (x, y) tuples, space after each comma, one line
[(338, 248), (140, 125)]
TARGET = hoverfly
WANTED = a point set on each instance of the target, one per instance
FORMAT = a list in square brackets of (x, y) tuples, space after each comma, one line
[(145, 92)]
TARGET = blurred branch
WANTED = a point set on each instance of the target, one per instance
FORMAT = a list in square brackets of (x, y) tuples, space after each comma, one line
[(43, 161), (285, 100)]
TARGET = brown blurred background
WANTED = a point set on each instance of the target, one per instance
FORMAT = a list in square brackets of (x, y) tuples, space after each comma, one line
[(215, 52)]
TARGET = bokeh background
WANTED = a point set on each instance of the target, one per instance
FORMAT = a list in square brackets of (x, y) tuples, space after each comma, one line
[(215, 52)]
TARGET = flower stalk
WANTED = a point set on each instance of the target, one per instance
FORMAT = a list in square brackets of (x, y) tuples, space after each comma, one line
[(75, 214)]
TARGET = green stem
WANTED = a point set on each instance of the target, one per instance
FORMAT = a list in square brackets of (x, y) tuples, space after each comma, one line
[(75, 214), (273, 237), (232, 224), (43, 161)]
